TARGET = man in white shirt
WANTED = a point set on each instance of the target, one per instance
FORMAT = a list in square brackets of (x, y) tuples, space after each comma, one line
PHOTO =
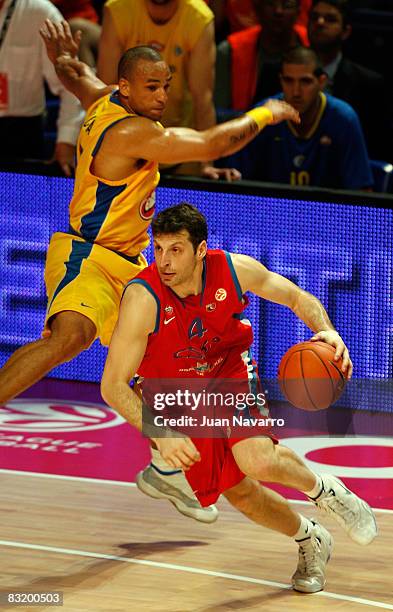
[(24, 66)]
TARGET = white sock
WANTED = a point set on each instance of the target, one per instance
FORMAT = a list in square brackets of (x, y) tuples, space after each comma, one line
[(161, 464), (167, 472), (304, 530), (317, 489)]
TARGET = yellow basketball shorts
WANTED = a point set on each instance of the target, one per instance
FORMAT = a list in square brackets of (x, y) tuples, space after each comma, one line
[(86, 278)]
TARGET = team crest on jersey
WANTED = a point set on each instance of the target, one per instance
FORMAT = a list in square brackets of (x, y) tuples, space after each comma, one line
[(221, 295), (146, 209), (168, 310), (211, 307), (298, 161), (201, 368), (189, 353)]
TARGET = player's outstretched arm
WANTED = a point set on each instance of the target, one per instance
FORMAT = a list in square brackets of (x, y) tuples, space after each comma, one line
[(145, 139), (255, 277), (137, 319), (62, 49)]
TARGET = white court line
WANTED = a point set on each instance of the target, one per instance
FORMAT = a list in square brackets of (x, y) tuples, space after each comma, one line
[(121, 483), (190, 570)]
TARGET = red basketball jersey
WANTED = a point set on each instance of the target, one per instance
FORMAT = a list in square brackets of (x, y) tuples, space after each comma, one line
[(200, 335)]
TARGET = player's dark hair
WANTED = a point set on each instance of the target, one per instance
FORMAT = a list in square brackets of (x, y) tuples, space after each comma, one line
[(303, 55), (183, 216), (131, 57), (343, 7)]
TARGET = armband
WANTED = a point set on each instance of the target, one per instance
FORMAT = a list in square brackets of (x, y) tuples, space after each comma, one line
[(261, 115)]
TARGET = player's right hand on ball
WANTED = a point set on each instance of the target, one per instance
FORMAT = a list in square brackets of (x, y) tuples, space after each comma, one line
[(332, 337), (282, 111), (178, 452)]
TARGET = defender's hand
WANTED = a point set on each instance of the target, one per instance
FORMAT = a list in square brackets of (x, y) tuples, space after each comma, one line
[(178, 452), (59, 41), (334, 339), (65, 157), (227, 174), (282, 111)]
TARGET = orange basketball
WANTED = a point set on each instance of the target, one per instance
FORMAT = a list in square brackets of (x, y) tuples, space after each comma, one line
[(309, 377)]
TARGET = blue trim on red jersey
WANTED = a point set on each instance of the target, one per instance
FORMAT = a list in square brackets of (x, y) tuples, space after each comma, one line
[(79, 252), (234, 275), (101, 138), (253, 380), (204, 274), (141, 281), (93, 221)]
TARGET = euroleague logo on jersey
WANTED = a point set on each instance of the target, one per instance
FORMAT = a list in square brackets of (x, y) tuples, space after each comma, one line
[(221, 295), (40, 415), (146, 209)]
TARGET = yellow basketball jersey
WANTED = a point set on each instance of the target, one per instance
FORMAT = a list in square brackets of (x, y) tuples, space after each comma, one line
[(114, 214), (174, 40)]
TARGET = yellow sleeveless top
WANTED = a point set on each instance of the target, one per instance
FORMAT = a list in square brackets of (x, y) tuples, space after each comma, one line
[(114, 214), (174, 40)]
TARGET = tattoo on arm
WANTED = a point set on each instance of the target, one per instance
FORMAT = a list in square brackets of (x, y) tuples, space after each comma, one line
[(237, 138), (253, 128)]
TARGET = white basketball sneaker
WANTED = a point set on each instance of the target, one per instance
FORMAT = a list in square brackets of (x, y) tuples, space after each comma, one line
[(314, 553), (174, 487), (351, 512)]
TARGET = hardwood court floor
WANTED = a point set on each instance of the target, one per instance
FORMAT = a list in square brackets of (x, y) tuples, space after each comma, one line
[(111, 549)]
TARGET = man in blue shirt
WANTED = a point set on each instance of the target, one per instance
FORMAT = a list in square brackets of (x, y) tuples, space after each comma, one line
[(327, 149)]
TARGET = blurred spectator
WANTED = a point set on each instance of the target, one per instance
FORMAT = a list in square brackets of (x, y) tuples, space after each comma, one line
[(77, 8), (183, 32), (99, 7), (81, 15), (23, 67), (327, 149), (304, 11), (360, 87), (248, 62), (235, 15)]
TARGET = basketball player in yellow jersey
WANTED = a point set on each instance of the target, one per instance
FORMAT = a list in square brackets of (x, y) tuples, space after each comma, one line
[(118, 151)]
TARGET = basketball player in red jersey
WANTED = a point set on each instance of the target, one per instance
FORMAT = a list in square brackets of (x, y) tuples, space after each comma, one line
[(180, 318), (119, 148)]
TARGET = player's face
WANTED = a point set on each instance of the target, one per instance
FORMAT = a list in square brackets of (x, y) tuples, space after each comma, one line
[(326, 27), (300, 85), (147, 89), (176, 259)]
